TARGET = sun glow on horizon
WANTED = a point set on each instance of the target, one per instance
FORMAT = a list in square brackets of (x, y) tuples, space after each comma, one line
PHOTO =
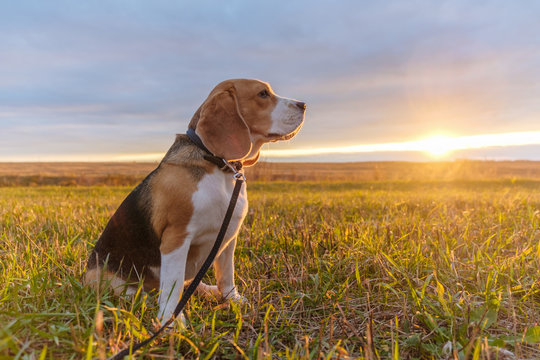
[(436, 146)]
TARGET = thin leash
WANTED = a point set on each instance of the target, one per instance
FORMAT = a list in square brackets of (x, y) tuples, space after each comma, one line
[(240, 178)]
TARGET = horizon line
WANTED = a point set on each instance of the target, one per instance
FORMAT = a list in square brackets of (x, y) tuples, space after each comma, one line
[(437, 146)]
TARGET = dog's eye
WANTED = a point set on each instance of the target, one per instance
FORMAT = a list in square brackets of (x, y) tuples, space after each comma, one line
[(264, 94)]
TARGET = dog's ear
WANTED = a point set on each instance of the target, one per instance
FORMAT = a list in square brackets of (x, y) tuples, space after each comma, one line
[(222, 128)]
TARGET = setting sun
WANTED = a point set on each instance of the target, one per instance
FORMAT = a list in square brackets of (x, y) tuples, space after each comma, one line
[(438, 146)]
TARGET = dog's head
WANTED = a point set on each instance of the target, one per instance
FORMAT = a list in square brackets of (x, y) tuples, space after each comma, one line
[(240, 115)]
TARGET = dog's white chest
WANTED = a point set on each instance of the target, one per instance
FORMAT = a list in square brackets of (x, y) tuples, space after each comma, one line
[(210, 203)]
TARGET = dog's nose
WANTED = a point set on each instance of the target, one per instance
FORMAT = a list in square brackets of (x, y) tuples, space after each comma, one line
[(301, 105)]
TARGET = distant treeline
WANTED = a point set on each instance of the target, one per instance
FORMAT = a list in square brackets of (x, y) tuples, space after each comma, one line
[(119, 174)]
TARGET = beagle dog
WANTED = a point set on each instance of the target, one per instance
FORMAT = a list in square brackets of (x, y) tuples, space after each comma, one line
[(164, 229)]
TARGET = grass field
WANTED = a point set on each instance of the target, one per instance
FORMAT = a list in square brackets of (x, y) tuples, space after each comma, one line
[(371, 269)]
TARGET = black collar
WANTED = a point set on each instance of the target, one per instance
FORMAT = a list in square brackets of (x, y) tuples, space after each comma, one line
[(220, 162)]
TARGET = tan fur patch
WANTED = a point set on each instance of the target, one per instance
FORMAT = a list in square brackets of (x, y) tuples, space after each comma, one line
[(172, 189), (256, 112)]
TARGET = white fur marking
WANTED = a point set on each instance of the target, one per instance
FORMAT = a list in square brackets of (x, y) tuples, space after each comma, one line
[(171, 283), (210, 203), (286, 117)]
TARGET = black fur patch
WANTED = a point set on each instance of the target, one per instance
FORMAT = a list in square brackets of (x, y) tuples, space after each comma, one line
[(129, 244)]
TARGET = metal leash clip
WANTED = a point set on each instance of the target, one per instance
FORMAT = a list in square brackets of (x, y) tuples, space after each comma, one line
[(236, 174)]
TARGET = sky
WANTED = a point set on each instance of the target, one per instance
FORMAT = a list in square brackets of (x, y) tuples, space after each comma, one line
[(116, 80)]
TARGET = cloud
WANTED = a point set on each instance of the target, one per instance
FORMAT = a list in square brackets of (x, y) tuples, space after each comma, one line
[(368, 71)]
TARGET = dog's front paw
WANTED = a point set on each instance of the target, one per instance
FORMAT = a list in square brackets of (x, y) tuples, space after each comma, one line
[(235, 297), (179, 323), (164, 315)]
